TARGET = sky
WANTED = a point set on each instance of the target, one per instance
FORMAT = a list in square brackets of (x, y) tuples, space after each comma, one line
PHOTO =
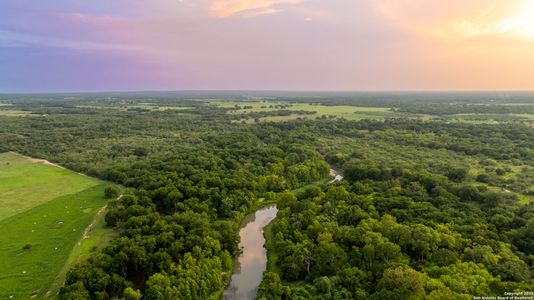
[(118, 45)]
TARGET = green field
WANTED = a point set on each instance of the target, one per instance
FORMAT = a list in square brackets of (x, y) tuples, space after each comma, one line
[(338, 111), (24, 184), (155, 107), (13, 113), (144, 106), (350, 112), (45, 217), (96, 236)]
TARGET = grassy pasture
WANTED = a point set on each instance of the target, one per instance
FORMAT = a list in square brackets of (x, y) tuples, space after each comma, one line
[(278, 118), (13, 113), (48, 230), (146, 106), (359, 112), (97, 235), (490, 118), (339, 111), (155, 107), (25, 184)]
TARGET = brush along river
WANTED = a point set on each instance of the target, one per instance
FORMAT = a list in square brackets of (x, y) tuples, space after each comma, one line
[(252, 262)]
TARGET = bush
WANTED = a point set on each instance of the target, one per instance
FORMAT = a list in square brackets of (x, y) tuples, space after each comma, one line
[(111, 192), (500, 171), (457, 174), (485, 178)]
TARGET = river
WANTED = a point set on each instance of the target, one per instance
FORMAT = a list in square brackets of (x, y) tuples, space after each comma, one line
[(249, 268)]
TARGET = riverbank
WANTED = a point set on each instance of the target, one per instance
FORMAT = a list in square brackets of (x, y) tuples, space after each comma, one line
[(272, 257), (259, 244)]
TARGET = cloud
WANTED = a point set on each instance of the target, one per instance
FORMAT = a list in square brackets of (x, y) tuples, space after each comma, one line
[(227, 8), (316, 44), (516, 22), (453, 19), (216, 8)]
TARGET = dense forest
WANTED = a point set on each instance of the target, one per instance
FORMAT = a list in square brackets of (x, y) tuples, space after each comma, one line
[(426, 210)]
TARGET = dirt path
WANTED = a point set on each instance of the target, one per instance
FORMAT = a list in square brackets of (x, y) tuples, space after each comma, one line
[(86, 234), (38, 160), (43, 161), (89, 227)]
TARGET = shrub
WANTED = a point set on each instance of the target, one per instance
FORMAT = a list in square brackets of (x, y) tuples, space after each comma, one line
[(111, 192)]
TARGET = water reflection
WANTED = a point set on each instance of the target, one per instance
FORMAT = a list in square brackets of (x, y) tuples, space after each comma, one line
[(251, 264)]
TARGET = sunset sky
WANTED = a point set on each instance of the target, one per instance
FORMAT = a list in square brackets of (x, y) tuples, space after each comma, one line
[(102, 45)]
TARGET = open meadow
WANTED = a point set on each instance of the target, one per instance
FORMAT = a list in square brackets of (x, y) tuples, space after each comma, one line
[(305, 111), (45, 213), (266, 111)]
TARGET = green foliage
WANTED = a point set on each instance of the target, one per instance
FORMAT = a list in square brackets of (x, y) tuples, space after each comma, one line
[(75, 291), (401, 283), (415, 225), (131, 294), (428, 209), (111, 192), (523, 238)]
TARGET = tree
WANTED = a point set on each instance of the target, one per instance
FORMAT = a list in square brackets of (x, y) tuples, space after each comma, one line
[(523, 238), (286, 199), (329, 259), (401, 282), (464, 278), (131, 294), (271, 285), (111, 192), (75, 291), (159, 288), (457, 174)]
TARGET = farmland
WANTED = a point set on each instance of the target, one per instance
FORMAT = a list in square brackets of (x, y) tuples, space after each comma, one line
[(305, 111), (24, 185), (264, 111), (44, 212), (13, 113)]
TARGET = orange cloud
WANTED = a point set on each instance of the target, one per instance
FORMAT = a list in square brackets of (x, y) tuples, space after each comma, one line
[(476, 44), (227, 8), (516, 21), (460, 19)]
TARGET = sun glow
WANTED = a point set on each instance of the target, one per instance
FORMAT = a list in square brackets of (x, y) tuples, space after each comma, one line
[(521, 22)]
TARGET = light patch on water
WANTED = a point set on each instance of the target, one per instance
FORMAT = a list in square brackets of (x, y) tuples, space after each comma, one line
[(251, 264)]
